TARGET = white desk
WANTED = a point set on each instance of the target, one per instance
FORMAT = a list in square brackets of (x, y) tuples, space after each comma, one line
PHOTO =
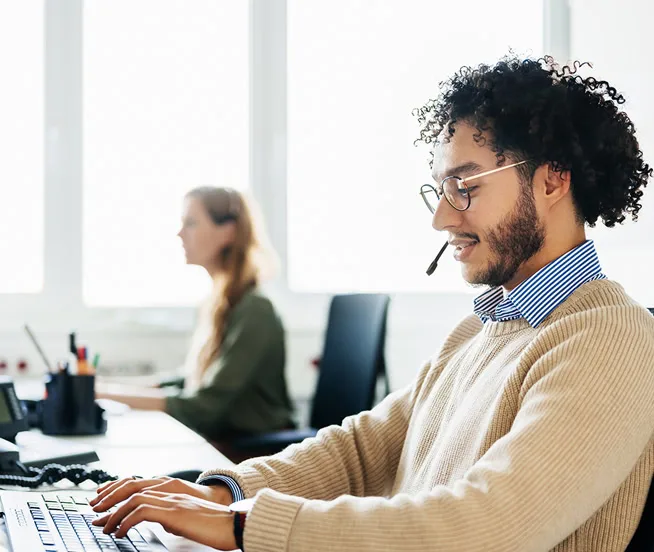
[(149, 443), (139, 442)]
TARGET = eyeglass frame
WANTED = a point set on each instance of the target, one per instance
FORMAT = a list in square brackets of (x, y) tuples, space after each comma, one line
[(463, 181)]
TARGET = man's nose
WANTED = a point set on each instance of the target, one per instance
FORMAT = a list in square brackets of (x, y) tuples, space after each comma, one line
[(445, 216)]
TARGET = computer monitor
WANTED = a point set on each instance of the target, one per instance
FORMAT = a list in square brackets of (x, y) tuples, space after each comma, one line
[(38, 347)]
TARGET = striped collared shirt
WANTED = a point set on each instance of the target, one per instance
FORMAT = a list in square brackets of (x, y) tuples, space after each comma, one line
[(536, 297), (232, 485)]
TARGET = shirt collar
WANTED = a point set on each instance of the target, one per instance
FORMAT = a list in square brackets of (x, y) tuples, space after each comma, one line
[(536, 297)]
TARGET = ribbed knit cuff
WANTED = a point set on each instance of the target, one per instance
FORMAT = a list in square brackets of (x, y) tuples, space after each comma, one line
[(269, 523), (248, 479)]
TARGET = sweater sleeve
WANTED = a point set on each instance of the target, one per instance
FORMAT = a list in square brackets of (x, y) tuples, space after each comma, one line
[(585, 418), (359, 457), (250, 335), (174, 381)]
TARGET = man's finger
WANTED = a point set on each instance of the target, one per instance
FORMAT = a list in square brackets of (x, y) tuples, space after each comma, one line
[(101, 521), (115, 483), (106, 487), (144, 512), (140, 499), (121, 492)]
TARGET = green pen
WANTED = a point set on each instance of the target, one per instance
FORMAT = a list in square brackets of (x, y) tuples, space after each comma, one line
[(96, 360)]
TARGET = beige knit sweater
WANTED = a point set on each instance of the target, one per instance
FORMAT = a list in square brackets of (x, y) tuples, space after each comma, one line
[(511, 439)]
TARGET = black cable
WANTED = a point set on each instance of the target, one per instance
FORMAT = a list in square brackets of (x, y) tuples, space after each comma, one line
[(52, 473)]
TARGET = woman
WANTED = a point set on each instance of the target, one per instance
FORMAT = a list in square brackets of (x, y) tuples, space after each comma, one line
[(234, 373)]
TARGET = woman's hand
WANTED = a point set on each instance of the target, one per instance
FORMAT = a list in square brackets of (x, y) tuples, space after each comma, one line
[(139, 398), (114, 492), (182, 515)]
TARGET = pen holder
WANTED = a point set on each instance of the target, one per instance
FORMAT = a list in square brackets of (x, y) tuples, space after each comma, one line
[(70, 408)]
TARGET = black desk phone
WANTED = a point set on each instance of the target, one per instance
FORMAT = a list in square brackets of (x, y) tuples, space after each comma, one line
[(13, 415), (13, 420)]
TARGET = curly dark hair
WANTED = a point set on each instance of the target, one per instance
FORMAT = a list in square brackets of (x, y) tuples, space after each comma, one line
[(537, 111)]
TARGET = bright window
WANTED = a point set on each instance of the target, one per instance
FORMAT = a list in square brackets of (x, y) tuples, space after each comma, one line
[(356, 69), (166, 102), (21, 143)]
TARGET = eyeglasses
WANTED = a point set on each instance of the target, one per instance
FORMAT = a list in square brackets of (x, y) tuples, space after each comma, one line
[(455, 190)]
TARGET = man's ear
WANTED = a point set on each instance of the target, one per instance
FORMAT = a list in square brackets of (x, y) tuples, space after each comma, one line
[(557, 183)]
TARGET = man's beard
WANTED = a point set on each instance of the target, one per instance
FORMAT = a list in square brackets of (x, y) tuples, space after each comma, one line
[(512, 242)]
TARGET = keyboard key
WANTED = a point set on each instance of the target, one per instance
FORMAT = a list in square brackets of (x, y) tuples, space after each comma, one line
[(134, 535), (47, 539), (73, 520)]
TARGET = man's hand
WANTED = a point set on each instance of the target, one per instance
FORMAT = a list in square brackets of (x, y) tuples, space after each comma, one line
[(114, 492), (182, 515)]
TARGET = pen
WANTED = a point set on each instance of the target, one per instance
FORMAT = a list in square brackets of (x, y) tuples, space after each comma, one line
[(83, 368), (73, 346)]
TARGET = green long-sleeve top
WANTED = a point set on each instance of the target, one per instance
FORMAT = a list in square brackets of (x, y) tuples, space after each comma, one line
[(244, 390)]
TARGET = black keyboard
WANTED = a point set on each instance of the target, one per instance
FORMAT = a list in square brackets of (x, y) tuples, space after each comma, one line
[(73, 516)]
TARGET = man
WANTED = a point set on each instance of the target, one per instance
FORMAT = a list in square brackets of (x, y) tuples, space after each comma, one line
[(532, 427)]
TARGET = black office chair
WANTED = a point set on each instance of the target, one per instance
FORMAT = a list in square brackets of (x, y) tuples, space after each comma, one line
[(350, 366), (643, 539)]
